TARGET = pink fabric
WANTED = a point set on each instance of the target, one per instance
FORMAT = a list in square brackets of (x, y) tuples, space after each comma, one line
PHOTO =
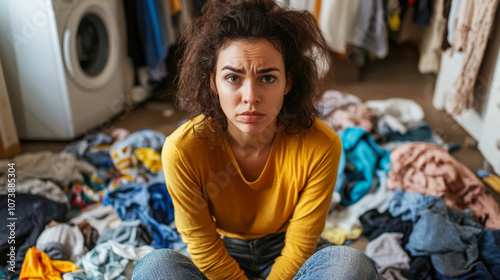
[(431, 170), (351, 115)]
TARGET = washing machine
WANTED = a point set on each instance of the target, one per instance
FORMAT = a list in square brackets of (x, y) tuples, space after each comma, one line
[(62, 65)]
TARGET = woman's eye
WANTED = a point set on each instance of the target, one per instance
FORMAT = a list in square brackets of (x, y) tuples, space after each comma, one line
[(232, 79), (269, 79)]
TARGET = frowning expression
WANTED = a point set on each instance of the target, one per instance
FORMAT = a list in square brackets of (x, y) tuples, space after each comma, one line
[(251, 82)]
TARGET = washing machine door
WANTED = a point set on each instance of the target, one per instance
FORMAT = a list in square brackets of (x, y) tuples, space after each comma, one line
[(91, 44)]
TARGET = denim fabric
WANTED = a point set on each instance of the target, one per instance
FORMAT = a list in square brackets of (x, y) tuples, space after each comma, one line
[(131, 202), (363, 159), (489, 251), (161, 203), (479, 272), (256, 256), (174, 266), (449, 237), (338, 262), (333, 262), (408, 204)]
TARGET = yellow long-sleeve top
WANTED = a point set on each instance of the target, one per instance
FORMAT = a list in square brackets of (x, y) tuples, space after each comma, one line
[(211, 197)]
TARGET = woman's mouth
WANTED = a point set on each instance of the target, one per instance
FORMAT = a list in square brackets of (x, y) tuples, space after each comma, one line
[(251, 116)]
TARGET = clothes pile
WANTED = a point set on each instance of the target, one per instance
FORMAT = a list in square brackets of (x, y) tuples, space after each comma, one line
[(91, 211), (427, 216)]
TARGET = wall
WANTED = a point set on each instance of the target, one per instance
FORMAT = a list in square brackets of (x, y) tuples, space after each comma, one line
[(9, 142)]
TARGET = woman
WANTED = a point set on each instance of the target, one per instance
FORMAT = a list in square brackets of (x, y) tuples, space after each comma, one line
[(252, 173)]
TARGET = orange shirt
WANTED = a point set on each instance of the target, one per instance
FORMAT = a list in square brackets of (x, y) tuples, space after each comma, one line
[(37, 265), (212, 198)]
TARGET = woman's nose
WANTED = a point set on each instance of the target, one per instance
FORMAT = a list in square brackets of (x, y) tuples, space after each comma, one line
[(250, 94)]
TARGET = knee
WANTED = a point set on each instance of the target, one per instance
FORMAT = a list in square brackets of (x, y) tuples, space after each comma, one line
[(343, 262), (153, 264), (163, 256), (350, 254)]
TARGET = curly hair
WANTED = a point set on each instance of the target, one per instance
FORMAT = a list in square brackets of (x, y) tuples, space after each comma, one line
[(294, 33)]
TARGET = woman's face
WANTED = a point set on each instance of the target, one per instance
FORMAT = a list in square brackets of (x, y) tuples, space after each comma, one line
[(251, 82)]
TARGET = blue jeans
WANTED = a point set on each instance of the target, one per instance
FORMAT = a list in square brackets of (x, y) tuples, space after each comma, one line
[(334, 262)]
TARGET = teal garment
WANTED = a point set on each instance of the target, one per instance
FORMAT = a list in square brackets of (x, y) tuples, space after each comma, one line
[(363, 159)]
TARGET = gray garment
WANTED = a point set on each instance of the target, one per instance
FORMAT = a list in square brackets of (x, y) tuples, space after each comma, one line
[(449, 237), (169, 32), (386, 251), (46, 189), (62, 168), (370, 30), (129, 232), (55, 250)]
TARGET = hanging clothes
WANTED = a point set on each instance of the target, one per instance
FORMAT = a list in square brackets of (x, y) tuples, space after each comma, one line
[(446, 15), (465, 15), (423, 12), (370, 29), (168, 31), (152, 34), (430, 47), (336, 20), (135, 49), (175, 6), (475, 23), (317, 9), (409, 31), (394, 14), (453, 20)]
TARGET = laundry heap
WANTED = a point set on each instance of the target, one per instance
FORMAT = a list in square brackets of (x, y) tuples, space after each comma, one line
[(427, 216), (91, 211)]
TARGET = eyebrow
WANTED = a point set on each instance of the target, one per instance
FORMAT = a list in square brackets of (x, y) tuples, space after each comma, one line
[(240, 71)]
